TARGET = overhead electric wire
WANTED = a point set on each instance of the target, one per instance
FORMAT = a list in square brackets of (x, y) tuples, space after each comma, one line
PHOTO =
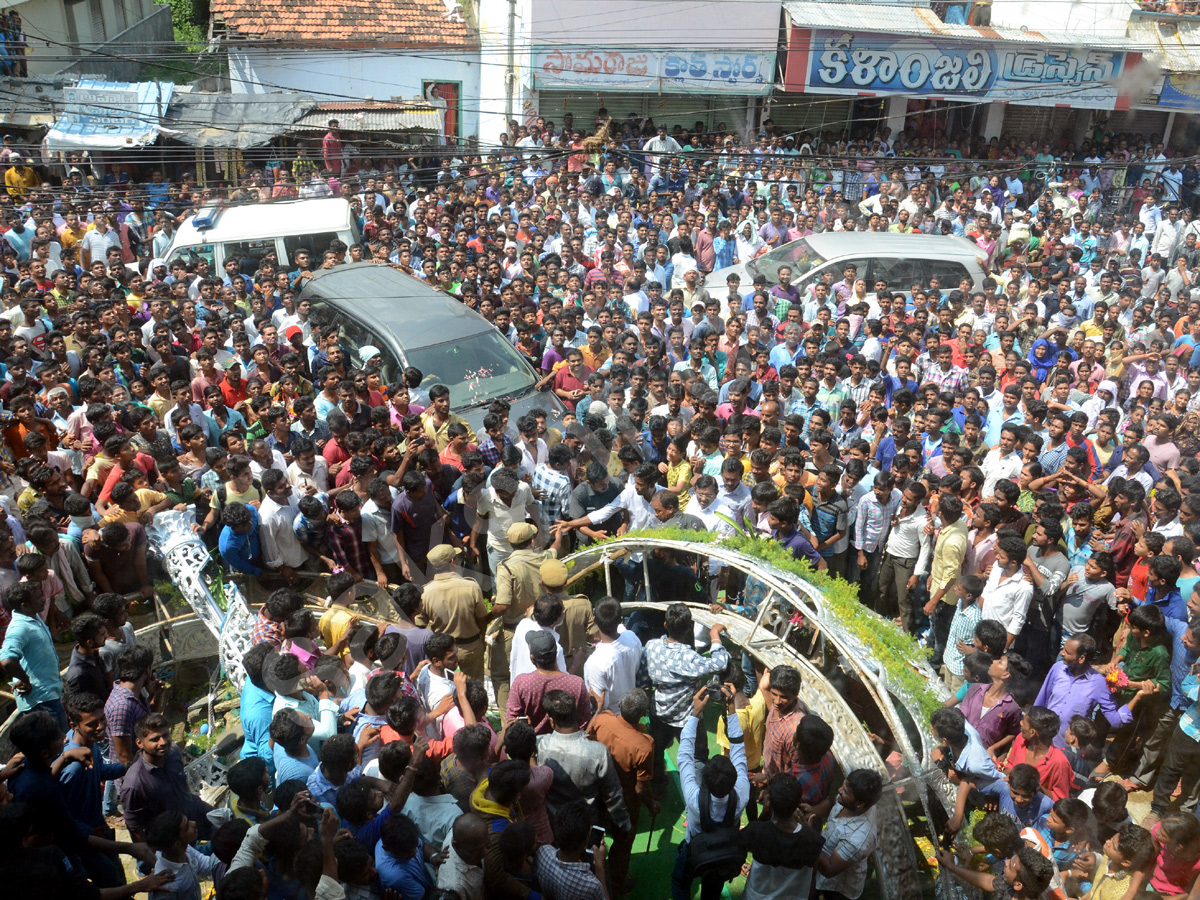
[(466, 146)]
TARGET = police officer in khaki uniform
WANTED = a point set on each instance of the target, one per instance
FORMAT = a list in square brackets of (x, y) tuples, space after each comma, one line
[(518, 585), (453, 604), (577, 631)]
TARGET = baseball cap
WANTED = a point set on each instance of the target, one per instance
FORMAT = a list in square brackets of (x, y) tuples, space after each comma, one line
[(540, 642)]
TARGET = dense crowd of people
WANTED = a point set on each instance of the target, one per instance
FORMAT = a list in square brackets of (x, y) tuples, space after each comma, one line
[(1008, 469)]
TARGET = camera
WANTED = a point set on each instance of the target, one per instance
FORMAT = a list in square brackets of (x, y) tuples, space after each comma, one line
[(714, 687)]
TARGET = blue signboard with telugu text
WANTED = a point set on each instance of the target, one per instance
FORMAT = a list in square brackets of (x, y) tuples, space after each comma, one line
[(843, 62)]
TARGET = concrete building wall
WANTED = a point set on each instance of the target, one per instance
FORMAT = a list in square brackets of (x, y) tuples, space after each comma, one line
[(345, 75)]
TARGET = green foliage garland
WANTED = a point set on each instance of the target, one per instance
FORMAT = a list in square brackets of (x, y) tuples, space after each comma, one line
[(892, 647)]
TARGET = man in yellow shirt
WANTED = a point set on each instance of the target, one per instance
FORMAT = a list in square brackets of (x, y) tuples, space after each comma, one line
[(752, 716), (72, 232), (438, 418), (20, 178), (595, 351), (132, 505), (337, 620), (61, 292)]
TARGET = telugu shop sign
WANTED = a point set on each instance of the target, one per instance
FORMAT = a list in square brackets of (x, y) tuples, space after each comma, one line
[(842, 62)]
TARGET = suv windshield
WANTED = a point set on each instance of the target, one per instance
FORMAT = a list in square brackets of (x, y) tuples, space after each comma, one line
[(798, 254), (477, 369)]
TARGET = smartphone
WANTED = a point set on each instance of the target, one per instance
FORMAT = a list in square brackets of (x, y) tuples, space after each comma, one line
[(310, 808), (595, 838)]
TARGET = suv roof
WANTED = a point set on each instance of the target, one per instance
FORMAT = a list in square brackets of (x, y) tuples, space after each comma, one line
[(832, 244), (385, 298)]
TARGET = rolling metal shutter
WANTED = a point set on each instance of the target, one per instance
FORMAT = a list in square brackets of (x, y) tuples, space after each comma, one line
[(816, 114)]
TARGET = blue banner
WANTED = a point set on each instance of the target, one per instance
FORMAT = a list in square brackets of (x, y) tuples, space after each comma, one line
[(851, 63)]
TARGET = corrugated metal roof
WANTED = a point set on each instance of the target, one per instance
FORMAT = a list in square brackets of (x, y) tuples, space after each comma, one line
[(31, 102), (239, 121), (373, 118), (110, 115), (882, 18), (1175, 44)]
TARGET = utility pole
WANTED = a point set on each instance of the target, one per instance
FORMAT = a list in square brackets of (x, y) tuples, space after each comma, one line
[(510, 75)]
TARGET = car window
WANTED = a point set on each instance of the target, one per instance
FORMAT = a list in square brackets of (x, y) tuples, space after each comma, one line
[(861, 264), (193, 254), (355, 336), (899, 274), (798, 254), (249, 253), (315, 244), (948, 272), (803, 284)]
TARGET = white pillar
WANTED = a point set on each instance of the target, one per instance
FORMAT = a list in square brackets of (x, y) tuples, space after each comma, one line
[(994, 121), (1084, 119), (896, 113), (1167, 131)]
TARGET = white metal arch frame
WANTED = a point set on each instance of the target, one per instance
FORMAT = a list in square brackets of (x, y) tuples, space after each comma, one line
[(895, 860), (184, 557)]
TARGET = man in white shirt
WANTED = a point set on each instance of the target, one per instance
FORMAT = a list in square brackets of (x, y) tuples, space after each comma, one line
[(1169, 230), (906, 554), (377, 532), (462, 872), (1007, 593), (505, 501), (309, 469), (660, 143), (611, 671), (281, 548), (1002, 461), (547, 613)]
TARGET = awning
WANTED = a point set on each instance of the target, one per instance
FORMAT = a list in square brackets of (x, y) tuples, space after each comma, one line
[(1174, 45), (887, 19), (378, 117), (110, 115), (233, 121)]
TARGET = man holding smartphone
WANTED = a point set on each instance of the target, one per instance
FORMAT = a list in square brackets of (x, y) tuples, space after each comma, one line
[(575, 869)]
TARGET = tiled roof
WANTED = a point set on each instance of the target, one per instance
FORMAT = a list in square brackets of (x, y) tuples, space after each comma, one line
[(425, 22)]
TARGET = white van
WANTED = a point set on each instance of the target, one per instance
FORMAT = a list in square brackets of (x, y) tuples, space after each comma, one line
[(246, 233)]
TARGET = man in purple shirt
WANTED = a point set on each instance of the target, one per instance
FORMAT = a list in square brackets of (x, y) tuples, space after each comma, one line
[(782, 516), (414, 512), (1073, 688), (844, 289), (785, 290), (774, 232)]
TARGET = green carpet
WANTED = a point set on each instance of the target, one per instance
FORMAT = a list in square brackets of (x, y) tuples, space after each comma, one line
[(654, 849)]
